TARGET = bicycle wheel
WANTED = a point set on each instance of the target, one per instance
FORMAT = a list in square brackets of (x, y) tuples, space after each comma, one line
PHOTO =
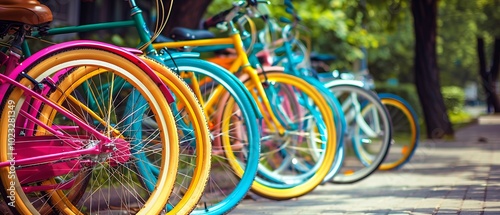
[(368, 131), (338, 117), (224, 189), (405, 131), (195, 143), (105, 182), (294, 162)]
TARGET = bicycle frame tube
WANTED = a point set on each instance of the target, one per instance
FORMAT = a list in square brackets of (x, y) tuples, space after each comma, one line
[(240, 62), (65, 138), (65, 112), (53, 157), (353, 112)]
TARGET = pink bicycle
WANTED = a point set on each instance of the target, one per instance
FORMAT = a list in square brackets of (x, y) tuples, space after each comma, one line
[(58, 153)]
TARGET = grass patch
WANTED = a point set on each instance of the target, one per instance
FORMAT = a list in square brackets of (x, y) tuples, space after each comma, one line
[(459, 119)]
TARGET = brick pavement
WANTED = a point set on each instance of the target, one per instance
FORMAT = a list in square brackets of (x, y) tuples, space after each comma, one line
[(444, 177)]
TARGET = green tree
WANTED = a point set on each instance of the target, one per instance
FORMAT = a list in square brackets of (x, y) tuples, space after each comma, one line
[(444, 30), (458, 28)]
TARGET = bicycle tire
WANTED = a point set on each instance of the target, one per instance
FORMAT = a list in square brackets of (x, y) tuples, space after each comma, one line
[(355, 167), (216, 200), (194, 143), (191, 181), (72, 59), (404, 123)]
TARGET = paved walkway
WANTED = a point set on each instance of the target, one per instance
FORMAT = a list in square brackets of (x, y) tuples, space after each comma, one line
[(444, 177)]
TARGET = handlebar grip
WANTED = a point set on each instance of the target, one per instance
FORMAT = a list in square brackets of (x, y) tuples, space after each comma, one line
[(289, 4), (285, 20), (263, 9), (216, 19)]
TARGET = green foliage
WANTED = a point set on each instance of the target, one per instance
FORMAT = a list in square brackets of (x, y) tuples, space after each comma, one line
[(336, 26), (456, 47), (459, 24), (454, 98), (394, 56), (489, 17)]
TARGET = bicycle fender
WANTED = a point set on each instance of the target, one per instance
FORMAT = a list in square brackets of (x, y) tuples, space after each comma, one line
[(96, 45), (224, 71)]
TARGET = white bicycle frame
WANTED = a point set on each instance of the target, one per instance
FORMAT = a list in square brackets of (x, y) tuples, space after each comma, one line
[(352, 108)]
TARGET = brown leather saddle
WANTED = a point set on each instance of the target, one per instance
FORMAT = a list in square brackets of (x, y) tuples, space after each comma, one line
[(29, 12)]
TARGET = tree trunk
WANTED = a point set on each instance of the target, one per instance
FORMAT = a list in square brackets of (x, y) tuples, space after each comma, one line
[(495, 67), (490, 77), (186, 13), (426, 69)]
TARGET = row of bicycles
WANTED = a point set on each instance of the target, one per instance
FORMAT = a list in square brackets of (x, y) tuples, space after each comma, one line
[(92, 128)]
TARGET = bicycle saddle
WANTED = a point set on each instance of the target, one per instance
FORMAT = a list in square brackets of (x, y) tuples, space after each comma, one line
[(25, 11), (180, 33)]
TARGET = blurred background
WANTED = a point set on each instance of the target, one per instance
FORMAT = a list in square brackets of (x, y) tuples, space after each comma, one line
[(458, 52)]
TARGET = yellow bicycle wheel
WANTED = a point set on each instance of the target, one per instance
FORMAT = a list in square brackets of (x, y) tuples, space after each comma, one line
[(307, 135), (194, 141), (404, 133)]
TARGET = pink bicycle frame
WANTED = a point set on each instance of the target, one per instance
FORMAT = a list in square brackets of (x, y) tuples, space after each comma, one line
[(14, 70)]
